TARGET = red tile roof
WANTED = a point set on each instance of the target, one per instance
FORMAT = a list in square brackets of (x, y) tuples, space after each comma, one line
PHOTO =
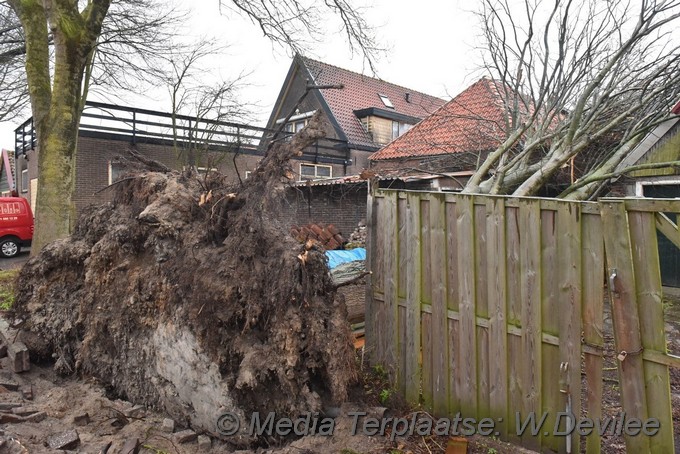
[(362, 92), (470, 122)]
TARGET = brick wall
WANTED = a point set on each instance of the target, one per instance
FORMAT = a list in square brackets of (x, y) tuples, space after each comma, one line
[(342, 205), (94, 155)]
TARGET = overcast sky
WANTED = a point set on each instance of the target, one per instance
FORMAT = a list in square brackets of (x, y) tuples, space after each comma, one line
[(431, 49)]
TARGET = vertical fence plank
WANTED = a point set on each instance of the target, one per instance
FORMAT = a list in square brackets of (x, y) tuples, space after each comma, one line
[(569, 303), (530, 360), (481, 304), (649, 301), (551, 399), (402, 249), (426, 298), (371, 231), (467, 371), (514, 303), (592, 312), (452, 304), (498, 335), (440, 369), (625, 315), (388, 230), (413, 299)]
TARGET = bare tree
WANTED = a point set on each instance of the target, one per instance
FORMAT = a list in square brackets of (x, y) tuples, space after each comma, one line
[(193, 94), (13, 90), (294, 24), (75, 30), (575, 77)]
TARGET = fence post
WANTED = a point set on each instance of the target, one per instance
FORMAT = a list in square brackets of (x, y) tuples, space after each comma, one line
[(624, 308)]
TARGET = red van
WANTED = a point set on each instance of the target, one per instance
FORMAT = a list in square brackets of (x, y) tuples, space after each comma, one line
[(16, 225)]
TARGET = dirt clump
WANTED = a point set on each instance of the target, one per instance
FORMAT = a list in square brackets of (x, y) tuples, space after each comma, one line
[(187, 295)]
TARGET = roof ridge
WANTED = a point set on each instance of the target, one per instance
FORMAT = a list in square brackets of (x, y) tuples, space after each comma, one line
[(304, 59)]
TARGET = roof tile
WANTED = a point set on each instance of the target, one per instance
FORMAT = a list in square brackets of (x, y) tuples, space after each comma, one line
[(362, 92), (470, 122)]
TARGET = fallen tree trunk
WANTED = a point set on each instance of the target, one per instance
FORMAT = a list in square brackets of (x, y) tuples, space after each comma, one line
[(189, 296)]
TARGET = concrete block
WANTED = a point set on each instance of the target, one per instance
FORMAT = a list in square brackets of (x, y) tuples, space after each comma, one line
[(18, 357), (64, 440)]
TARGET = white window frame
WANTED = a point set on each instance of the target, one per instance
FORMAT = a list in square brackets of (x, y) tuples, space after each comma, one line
[(110, 169), (204, 170), (248, 172), (24, 181), (316, 173), (640, 185), (386, 100)]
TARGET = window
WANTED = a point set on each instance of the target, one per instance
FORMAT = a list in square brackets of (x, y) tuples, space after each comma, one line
[(399, 129), (116, 171), (386, 101), (295, 126), (24, 180), (204, 170), (315, 171)]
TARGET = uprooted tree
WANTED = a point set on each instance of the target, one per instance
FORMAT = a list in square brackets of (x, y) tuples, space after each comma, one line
[(187, 295), (67, 44), (580, 81)]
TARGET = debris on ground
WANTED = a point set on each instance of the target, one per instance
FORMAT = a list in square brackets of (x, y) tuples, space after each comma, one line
[(186, 295), (358, 237), (327, 236)]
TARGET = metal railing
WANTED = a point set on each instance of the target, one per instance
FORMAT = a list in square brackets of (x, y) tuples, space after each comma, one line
[(136, 125)]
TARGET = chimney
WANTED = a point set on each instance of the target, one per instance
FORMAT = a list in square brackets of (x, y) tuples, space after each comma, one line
[(408, 97)]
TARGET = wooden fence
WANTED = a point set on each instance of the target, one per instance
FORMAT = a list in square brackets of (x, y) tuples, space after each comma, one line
[(493, 307)]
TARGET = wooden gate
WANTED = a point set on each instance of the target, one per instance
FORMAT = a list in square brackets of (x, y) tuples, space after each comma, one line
[(493, 307)]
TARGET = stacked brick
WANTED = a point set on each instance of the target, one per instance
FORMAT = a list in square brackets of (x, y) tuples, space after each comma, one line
[(327, 236)]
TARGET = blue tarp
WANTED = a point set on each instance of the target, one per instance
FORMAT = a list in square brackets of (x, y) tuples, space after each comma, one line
[(336, 258)]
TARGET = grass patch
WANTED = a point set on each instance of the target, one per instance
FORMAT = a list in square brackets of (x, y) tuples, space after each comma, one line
[(7, 278)]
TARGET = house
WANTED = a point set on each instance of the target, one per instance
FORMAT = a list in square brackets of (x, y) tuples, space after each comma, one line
[(662, 144), (362, 115), (451, 142), (7, 174), (107, 131)]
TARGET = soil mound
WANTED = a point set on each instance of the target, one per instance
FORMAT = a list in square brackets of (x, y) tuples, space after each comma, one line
[(189, 296)]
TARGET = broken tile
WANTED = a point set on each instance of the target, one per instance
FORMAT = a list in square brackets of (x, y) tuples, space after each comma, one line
[(185, 436), (24, 411), (64, 440), (204, 443), (27, 392), (36, 417), (138, 411), (10, 418), (81, 419), (168, 426), (9, 385), (130, 447)]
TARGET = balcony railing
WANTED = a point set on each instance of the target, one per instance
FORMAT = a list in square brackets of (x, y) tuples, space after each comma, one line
[(136, 125)]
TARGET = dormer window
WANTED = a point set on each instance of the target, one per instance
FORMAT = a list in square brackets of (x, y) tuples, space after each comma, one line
[(386, 101)]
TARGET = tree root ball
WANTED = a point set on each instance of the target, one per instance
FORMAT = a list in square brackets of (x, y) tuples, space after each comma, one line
[(188, 296)]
